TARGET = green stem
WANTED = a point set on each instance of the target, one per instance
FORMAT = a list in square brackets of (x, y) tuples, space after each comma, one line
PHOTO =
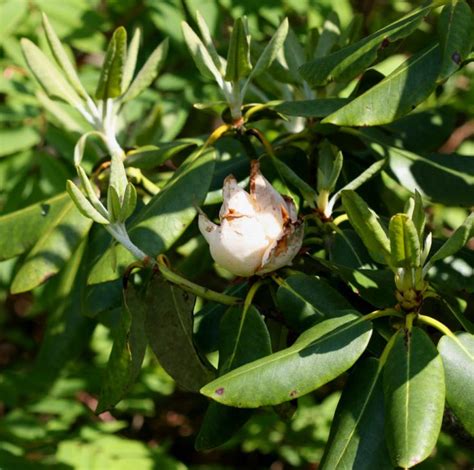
[(196, 289), (386, 351), (387, 312), (251, 294), (436, 324)]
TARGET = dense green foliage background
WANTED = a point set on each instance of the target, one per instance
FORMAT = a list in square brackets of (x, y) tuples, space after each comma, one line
[(55, 341)]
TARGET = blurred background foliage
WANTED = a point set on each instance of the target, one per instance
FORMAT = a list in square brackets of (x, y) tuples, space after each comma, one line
[(46, 405)]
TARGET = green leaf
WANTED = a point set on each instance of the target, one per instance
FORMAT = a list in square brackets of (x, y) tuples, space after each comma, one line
[(148, 72), (208, 43), (20, 230), (53, 249), (367, 226), (414, 389), (18, 138), (110, 81), (91, 193), (305, 300), (357, 436), (456, 241), (47, 74), (418, 216), (131, 60), (458, 359), (242, 338), (150, 156), (62, 59), (348, 62), (271, 50), (396, 95), (455, 25), (128, 351), (129, 202), (329, 166), (329, 35), (311, 108), (80, 146), (318, 356), (169, 328), (404, 242), (83, 205), (163, 220), (113, 204), (238, 55), (202, 58)]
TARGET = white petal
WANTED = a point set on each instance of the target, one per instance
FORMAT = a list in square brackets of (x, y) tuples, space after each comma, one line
[(207, 228), (240, 246), (237, 201)]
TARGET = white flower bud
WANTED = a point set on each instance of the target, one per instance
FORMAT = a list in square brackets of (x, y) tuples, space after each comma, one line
[(258, 232)]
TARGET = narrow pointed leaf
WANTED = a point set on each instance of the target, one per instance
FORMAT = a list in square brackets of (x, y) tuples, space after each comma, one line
[(329, 166), (238, 56), (129, 202), (208, 42), (404, 242), (113, 204), (148, 72), (20, 230), (348, 62), (110, 81), (458, 359), (318, 356), (414, 388), (128, 351), (329, 35), (83, 204), (47, 74), (91, 192), (456, 241), (419, 217), (242, 339), (53, 249), (455, 26), (357, 436), (80, 146), (367, 226), (271, 50), (62, 59), (169, 328), (396, 95), (131, 60)]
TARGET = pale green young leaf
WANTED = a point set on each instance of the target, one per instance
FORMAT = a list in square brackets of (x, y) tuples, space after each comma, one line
[(110, 81), (47, 74), (131, 60), (62, 59), (418, 216), (113, 204), (80, 146), (90, 192), (148, 72), (209, 43), (129, 202), (238, 55), (367, 226), (83, 204), (404, 242)]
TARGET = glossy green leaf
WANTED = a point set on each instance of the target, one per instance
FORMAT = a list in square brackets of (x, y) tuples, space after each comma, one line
[(404, 242), (311, 108), (128, 350), (47, 74), (242, 339), (414, 388), (238, 55), (20, 230), (348, 62), (110, 81), (83, 205), (456, 241), (394, 96), (367, 226), (305, 300), (169, 328), (148, 72), (318, 356), (62, 58), (271, 50), (160, 223), (357, 433), (53, 249), (131, 60), (455, 26), (458, 359)]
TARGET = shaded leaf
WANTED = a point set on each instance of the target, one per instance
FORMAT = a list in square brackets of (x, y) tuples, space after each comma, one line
[(414, 388), (319, 355), (238, 55), (311, 108), (16, 139)]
